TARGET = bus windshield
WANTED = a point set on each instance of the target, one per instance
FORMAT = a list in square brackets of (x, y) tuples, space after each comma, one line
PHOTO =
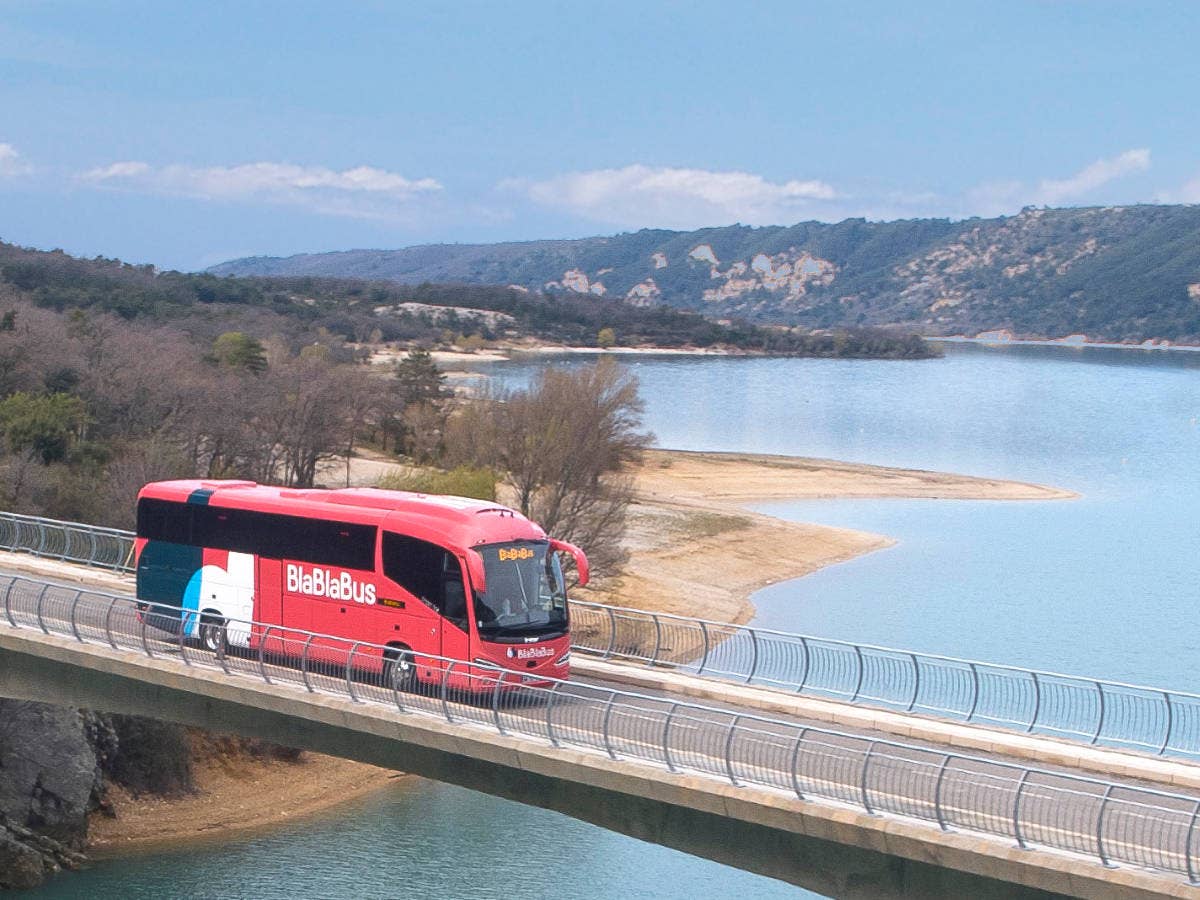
[(526, 595)]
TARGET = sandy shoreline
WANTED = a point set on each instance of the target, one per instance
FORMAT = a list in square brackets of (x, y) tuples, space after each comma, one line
[(690, 507)]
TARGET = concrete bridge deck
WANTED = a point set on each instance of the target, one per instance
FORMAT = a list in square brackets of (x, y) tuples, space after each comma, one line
[(825, 846)]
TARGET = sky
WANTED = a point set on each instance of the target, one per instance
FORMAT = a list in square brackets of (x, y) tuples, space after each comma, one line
[(183, 135)]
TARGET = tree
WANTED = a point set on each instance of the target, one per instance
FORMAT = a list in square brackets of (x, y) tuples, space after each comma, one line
[(606, 338), (44, 426), (422, 394), (420, 379), (563, 446), (238, 350)]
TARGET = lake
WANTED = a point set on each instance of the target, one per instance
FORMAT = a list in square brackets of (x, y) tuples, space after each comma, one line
[(1105, 585)]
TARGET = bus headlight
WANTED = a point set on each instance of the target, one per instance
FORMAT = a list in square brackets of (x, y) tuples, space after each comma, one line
[(564, 659)]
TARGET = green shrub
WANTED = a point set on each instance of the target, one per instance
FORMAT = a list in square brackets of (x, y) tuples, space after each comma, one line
[(463, 481)]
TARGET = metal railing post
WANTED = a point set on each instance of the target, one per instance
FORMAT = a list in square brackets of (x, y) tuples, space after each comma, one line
[(974, 692), (804, 672), (75, 617), (42, 596), (612, 632), (1037, 702), (796, 763), (937, 794), (8, 603), (612, 697), (446, 691), (1170, 724), (866, 801), (704, 656), (145, 639), (657, 639), (1100, 720), (549, 718), (666, 737), (729, 750), (304, 664), (496, 702), (1100, 828), (1017, 811), (183, 619), (262, 661), (1187, 846), (350, 670), (108, 621), (858, 684), (754, 657), (223, 647), (912, 701)]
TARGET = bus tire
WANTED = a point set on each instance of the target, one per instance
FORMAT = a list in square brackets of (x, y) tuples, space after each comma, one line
[(399, 669), (212, 631)]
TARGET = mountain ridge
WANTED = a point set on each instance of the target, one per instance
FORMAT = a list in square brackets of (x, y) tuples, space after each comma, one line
[(1126, 274)]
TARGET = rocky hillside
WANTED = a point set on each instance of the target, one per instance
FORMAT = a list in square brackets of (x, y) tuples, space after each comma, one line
[(1116, 273)]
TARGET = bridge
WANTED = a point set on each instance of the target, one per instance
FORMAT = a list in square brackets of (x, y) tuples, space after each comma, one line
[(695, 752)]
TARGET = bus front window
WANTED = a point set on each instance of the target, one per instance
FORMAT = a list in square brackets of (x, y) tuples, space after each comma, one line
[(526, 595)]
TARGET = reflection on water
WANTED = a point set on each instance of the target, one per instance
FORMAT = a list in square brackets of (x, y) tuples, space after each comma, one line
[(1104, 585)]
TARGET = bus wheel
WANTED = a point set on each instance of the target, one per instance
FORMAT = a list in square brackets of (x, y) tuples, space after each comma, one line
[(399, 669), (212, 632)]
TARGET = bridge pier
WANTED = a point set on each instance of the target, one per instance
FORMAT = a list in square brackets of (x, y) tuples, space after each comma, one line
[(831, 851)]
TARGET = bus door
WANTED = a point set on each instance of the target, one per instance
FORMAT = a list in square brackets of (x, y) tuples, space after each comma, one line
[(425, 575), (456, 642)]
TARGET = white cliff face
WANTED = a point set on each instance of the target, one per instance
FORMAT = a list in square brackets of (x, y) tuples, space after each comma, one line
[(1194, 291), (660, 259), (643, 293), (576, 280), (790, 273), (704, 253)]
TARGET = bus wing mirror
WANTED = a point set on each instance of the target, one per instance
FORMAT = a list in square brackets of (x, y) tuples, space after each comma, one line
[(475, 569), (581, 560)]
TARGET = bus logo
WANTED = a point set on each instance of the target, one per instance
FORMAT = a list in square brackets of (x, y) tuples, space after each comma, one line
[(515, 553), (326, 583)]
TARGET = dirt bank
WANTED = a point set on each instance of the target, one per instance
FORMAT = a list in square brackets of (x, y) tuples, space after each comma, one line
[(233, 796)]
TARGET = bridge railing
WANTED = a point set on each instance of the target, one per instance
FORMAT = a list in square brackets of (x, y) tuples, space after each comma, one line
[(1034, 807), (108, 548), (1092, 710)]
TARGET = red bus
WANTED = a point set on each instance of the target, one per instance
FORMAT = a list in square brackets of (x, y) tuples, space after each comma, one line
[(418, 574)]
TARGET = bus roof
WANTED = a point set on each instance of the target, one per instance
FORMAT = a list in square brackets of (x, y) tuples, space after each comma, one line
[(451, 521)]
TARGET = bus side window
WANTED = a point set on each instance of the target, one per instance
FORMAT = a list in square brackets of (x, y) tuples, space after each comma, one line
[(416, 566)]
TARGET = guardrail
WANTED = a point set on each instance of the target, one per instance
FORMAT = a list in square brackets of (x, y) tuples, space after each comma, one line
[(1111, 822), (1089, 709), (1092, 710), (108, 548)]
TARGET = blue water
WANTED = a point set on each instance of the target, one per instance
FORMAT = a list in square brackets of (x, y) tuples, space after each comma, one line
[(1106, 585)]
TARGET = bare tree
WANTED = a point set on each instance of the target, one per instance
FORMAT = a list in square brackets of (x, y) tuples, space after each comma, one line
[(563, 445)]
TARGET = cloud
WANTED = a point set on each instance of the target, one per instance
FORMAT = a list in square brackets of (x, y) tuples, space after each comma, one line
[(639, 195), (1093, 176), (362, 191), (11, 163)]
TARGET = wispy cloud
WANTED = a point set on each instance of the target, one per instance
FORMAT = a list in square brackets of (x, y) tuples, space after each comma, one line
[(996, 197), (363, 191), (639, 195), (1094, 176), (12, 163)]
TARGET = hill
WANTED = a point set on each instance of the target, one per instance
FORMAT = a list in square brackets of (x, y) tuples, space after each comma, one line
[(362, 311), (1114, 273)]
